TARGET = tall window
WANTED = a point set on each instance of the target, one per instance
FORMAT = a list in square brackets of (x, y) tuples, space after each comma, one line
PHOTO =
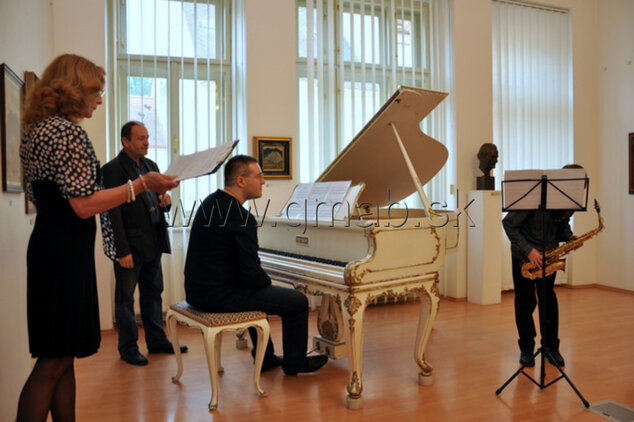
[(532, 86), (172, 71), (352, 55)]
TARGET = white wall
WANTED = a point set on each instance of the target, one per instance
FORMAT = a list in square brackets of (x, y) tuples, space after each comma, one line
[(474, 119), (272, 86), (28, 26), (615, 68)]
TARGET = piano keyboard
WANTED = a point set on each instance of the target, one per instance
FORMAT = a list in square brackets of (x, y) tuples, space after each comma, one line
[(306, 257)]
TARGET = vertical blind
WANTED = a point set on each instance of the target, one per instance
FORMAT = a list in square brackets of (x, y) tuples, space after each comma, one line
[(532, 87), (173, 72), (352, 56), (442, 78)]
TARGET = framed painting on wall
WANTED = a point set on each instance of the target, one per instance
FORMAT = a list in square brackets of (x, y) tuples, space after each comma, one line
[(631, 146), (274, 156), (11, 129)]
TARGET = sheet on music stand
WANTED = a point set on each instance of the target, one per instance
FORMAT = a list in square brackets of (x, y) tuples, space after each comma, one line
[(200, 163), (522, 183), (570, 181), (565, 190)]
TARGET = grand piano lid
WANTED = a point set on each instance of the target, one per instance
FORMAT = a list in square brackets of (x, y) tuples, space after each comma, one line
[(375, 158)]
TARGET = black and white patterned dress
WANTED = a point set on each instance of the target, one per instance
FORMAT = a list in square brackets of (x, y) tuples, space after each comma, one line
[(63, 312)]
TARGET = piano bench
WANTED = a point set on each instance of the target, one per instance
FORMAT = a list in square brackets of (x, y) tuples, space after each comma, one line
[(212, 325)]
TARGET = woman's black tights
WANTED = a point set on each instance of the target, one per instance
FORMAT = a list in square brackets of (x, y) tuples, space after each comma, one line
[(50, 387)]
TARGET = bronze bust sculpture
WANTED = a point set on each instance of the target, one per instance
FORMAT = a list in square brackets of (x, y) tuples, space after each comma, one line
[(488, 156)]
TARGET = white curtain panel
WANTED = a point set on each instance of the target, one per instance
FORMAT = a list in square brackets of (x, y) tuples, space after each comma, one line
[(532, 87), (532, 94)]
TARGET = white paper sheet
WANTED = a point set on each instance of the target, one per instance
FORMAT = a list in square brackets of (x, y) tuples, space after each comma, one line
[(200, 163), (566, 189), (526, 184), (316, 200)]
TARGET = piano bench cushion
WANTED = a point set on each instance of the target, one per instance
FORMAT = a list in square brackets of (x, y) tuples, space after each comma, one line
[(211, 319)]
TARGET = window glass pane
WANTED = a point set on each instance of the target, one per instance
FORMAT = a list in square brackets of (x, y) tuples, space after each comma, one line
[(162, 27), (147, 103), (307, 156), (199, 125), (302, 30), (351, 45), (404, 42), (351, 126)]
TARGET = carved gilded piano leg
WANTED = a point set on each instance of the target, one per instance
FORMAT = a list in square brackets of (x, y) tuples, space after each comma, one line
[(353, 312), (429, 307), (330, 325)]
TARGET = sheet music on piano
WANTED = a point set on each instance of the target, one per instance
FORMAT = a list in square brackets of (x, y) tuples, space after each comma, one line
[(317, 201)]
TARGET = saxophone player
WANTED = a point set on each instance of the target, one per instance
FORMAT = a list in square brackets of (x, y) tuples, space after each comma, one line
[(525, 230)]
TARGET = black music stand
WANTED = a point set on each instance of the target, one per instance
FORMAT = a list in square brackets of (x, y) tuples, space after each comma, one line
[(560, 190)]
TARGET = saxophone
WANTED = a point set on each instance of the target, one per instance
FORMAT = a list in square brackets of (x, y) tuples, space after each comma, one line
[(553, 259)]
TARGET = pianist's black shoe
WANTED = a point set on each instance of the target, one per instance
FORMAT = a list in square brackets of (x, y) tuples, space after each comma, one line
[(312, 364), (555, 357), (527, 358), (271, 363)]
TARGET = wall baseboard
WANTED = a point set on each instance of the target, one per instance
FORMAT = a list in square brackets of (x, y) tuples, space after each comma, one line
[(598, 286), (453, 299)]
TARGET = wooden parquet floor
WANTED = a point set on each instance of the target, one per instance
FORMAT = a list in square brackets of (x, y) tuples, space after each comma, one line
[(472, 348)]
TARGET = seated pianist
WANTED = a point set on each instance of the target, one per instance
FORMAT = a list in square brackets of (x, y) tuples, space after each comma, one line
[(223, 271)]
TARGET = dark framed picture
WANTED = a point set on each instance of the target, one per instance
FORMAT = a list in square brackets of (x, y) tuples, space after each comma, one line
[(30, 79), (274, 156), (11, 129), (631, 142)]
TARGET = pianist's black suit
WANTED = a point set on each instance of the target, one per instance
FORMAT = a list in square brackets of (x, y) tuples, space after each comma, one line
[(223, 274)]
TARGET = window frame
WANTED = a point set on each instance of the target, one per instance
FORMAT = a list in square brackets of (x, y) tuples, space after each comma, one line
[(174, 69), (421, 62)]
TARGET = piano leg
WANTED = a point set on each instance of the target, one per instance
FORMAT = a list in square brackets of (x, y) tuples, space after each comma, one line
[(429, 307), (353, 312), (330, 325)]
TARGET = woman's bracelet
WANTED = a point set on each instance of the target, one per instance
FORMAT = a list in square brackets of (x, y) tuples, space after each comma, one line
[(143, 182), (131, 196)]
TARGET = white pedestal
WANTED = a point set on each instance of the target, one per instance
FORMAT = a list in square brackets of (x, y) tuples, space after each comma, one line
[(484, 259)]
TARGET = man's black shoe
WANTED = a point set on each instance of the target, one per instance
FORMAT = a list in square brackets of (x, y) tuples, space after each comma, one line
[(527, 358), (555, 357), (312, 364), (134, 358), (166, 348), (271, 363)]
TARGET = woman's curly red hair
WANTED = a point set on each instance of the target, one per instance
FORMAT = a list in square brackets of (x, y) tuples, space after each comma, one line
[(67, 87)]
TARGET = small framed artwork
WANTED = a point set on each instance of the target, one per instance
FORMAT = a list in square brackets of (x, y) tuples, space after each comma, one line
[(30, 79), (631, 144), (274, 156), (10, 129)]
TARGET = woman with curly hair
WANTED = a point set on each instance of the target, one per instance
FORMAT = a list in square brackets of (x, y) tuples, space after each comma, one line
[(63, 180)]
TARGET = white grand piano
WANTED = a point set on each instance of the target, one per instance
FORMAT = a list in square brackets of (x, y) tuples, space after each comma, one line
[(378, 250)]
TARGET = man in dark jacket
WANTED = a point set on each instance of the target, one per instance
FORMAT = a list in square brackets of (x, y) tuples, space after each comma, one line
[(223, 271), (529, 233), (140, 236)]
